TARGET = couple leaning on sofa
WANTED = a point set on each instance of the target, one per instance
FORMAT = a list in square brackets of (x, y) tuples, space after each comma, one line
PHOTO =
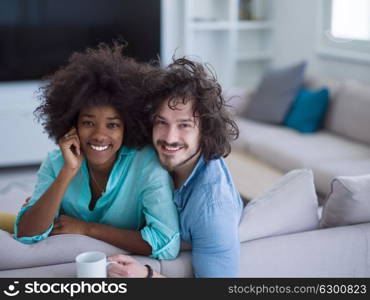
[(139, 163)]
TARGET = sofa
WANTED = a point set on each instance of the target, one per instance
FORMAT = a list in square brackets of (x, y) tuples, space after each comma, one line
[(335, 252), (281, 235), (341, 147), (313, 222)]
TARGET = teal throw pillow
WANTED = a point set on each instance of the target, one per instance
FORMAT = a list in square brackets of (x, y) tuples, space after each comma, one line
[(308, 110)]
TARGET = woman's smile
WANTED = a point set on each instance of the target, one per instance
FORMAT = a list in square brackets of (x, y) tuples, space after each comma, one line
[(100, 129), (99, 148)]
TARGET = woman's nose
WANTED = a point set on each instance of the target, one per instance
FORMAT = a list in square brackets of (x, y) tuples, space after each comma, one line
[(99, 133)]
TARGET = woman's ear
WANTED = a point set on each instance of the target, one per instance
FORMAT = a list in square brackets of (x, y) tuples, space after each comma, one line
[(76, 125)]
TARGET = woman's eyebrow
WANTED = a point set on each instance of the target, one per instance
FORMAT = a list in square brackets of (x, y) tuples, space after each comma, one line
[(88, 115), (108, 118), (114, 118)]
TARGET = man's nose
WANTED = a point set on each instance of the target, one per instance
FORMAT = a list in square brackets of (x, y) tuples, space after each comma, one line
[(171, 135)]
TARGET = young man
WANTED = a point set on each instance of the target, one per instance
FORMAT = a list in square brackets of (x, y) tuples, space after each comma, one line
[(191, 133)]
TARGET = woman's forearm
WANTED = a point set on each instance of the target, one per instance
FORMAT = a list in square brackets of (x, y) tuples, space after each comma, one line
[(38, 218), (130, 240)]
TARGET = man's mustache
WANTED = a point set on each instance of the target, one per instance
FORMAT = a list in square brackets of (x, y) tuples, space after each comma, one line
[(172, 145)]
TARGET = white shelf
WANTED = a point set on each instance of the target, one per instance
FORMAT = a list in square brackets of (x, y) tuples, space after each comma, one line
[(253, 25), (224, 25), (238, 50), (204, 25), (253, 56)]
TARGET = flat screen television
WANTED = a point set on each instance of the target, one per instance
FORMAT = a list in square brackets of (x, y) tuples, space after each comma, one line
[(38, 36)]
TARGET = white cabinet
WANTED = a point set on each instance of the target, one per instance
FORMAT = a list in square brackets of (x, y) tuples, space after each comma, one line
[(23, 141), (237, 49)]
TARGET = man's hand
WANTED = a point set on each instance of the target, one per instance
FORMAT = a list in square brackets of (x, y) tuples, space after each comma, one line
[(126, 267), (65, 224)]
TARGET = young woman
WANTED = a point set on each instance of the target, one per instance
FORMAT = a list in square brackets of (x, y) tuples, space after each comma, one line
[(102, 181)]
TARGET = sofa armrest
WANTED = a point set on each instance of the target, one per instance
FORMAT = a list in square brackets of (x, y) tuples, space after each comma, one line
[(331, 252), (7, 222), (180, 267)]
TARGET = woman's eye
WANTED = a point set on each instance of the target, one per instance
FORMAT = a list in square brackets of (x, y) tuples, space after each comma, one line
[(87, 123), (113, 125), (184, 125)]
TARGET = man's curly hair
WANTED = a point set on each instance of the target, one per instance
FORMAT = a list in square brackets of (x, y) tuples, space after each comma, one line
[(184, 80), (100, 76)]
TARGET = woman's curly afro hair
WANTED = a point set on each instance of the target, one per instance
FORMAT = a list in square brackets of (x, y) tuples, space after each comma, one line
[(100, 76)]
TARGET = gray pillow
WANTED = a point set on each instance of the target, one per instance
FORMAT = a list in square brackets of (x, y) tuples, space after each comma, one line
[(348, 202), (289, 206), (275, 94), (57, 249), (348, 114)]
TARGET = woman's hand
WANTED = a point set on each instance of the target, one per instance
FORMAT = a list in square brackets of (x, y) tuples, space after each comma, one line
[(26, 202), (65, 224), (70, 146)]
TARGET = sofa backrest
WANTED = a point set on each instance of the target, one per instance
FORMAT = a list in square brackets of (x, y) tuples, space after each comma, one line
[(349, 111), (314, 82)]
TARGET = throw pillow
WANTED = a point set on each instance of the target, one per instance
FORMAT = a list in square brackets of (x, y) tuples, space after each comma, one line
[(348, 202), (57, 249), (290, 206), (308, 110), (348, 114), (275, 94)]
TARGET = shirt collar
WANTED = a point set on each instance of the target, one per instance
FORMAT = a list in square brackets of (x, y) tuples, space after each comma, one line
[(125, 151), (201, 162)]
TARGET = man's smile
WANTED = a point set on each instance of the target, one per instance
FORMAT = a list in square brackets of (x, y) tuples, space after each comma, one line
[(170, 149)]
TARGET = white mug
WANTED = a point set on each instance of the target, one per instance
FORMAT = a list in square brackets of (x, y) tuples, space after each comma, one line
[(92, 264)]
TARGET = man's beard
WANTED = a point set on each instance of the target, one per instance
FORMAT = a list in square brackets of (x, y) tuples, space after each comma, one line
[(180, 164)]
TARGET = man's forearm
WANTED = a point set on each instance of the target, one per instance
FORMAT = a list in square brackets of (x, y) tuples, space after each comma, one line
[(130, 240)]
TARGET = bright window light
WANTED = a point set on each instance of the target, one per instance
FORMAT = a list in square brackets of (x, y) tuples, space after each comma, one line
[(351, 19)]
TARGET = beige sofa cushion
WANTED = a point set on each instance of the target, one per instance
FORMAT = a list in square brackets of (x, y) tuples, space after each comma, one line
[(287, 149), (348, 114), (348, 203), (314, 82), (57, 249), (325, 172), (289, 206)]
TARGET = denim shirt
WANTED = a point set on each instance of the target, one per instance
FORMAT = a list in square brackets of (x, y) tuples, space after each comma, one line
[(210, 209)]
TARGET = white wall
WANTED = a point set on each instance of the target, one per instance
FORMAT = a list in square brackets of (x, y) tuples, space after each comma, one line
[(295, 31), (172, 30)]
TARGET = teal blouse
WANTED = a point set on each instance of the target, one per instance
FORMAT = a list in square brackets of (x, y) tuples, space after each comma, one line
[(138, 196)]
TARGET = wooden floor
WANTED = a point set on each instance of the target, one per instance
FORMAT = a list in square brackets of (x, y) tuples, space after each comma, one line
[(251, 176)]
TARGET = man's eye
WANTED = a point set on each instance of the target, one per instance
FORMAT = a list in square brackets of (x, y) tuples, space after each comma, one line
[(185, 125), (160, 122)]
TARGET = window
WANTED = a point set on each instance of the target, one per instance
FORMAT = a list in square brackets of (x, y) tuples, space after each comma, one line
[(350, 20), (345, 29)]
